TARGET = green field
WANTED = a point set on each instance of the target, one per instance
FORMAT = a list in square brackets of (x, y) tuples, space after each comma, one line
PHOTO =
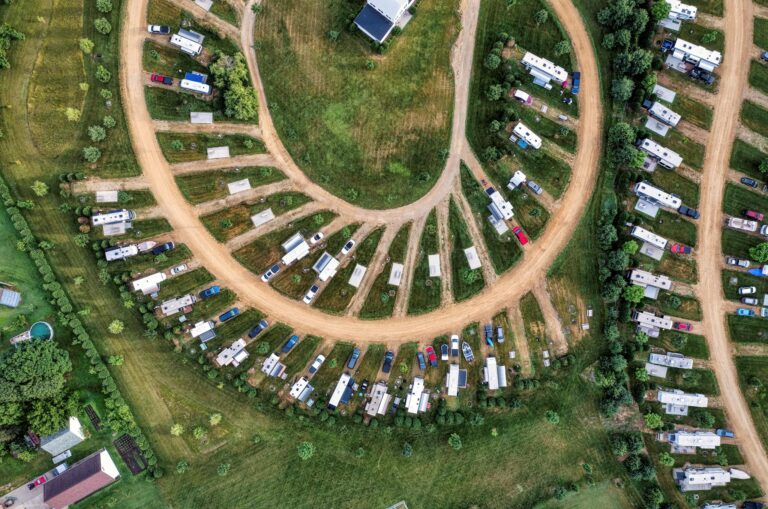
[(755, 117), (169, 61), (425, 291), (130, 199), (675, 183), (389, 119), (746, 159), (164, 12), (761, 32), (380, 301), (753, 375), (531, 214), (696, 33), (747, 329), (210, 185), (738, 199), (670, 225), (465, 282), (172, 104), (698, 114), (229, 223), (758, 75), (736, 243), (193, 146), (709, 6), (691, 151), (680, 306), (695, 345)]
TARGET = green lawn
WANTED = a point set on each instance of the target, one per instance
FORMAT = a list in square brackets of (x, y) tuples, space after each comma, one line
[(142, 229), (605, 496), (700, 34), (691, 151), (714, 7), (695, 380), (535, 329), (698, 114), (670, 225), (753, 375), (746, 159), (531, 214), (747, 329), (426, 291), (164, 12), (465, 282), (170, 104), (228, 223), (755, 117), (739, 198), (210, 185), (758, 75), (193, 146), (673, 182), (301, 354), (184, 283), (742, 279), (226, 11), (130, 199), (736, 243), (169, 61), (390, 123), (380, 301), (761, 32), (680, 306), (695, 345)]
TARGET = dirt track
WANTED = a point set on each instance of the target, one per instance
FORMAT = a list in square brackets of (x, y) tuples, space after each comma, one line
[(733, 83), (219, 261)]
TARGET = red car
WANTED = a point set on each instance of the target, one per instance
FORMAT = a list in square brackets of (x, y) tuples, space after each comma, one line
[(159, 78), (681, 249), (757, 216), (37, 482), (431, 356), (520, 235), (683, 326)]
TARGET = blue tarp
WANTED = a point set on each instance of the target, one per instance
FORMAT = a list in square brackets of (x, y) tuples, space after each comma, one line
[(196, 77), (374, 23)]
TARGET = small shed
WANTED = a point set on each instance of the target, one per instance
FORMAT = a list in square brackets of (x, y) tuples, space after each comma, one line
[(262, 217), (357, 275), (472, 258), (218, 152), (434, 265), (396, 274), (239, 186), (107, 197), (201, 117)]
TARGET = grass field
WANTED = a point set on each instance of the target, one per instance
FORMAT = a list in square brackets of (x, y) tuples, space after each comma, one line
[(130, 199), (754, 116), (552, 174), (380, 301), (301, 354), (210, 185), (746, 159), (225, 11), (531, 214), (695, 33), (747, 329), (194, 146), (334, 113), (714, 7), (229, 223), (337, 295), (142, 229), (698, 114), (169, 61), (675, 183), (684, 268), (692, 152), (758, 75), (755, 369), (742, 279), (605, 495), (670, 225), (738, 198), (687, 309), (695, 345), (761, 32), (425, 291), (184, 283), (164, 12), (465, 282), (535, 329), (736, 243), (170, 104)]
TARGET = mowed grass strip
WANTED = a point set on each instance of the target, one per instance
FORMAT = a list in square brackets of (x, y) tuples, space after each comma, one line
[(739, 199), (335, 364), (738, 244), (697, 113), (380, 301), (758, 76), (673, 182), (210, 185), (694, 345), (129, 199), (229, 223), (755, 117), (184, 283), (338, 293), (691, 151), (266, 250), (747, 329), (159, 58), (298, 358), (172, 104), (760, 33), (465, 282), (426, 291), (388, 119), (747, 158), (504, 250), (710, 38), (670, 225), (185, 147), (714, 7)]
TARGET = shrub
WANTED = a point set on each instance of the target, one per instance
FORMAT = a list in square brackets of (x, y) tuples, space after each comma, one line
[(102, 25), (306, 450), (86, 46), (102, 74), (97, 133), (104, 5)]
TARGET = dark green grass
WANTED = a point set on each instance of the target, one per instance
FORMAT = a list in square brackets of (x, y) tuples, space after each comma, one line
[(171, 104), (753, 376), (301, 354), (169, 61), (746, 159), (675, 183), (695, 345), (695, 380), (755, 117), (760, 33), (670, 225), (531, 214), (758, 75), (210, 185), (194, 146), (380, 301), (465, 282), (698, 114), (691, 151), (335, 364), (742, 279), (738, 199), (147, 261), (688, 309), (184, 283), (238, 326), (747, 329), (714, 7), (205, 309), (696, 33), (225, 11), (426, 291), (736, 243), (142, 229), (129, 199)]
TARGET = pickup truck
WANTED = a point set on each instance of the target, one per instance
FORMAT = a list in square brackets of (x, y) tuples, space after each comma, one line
[(738, 223)]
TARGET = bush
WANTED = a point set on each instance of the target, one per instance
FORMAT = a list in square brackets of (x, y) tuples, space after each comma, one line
[(97, 133), (104, 5), (86, 46), (102, 25), (91, 154), (102, 74)]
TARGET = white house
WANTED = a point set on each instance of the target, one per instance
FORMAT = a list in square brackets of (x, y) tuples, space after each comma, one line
[(657, 196), (544, 71), (326, 266), (295, 248), (64, 439), (700, 478), (652, 283), (667, 158), (234, 354), (149, 284), (173, 306), (528, 136), (379, 17), (664, 114), (379, 400), (697, 55)]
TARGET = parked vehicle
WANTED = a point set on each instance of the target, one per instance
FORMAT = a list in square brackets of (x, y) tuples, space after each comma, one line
[(745, 312), (764, 229), (738, 262), (681, 249), (747, 290), (688, 211), (159, 78), (764, 55), (702, 75), (454, 346), (311, 294), (533, 186), (431, 356), (576, 82), (444, 352), (520, 234), (467, 351), (738, 223), (158, 29), (288, 345), (37, 482), (229, 314), (749, 301), (162, 248), (682, 326), (319, 360), (363, 388), (489, 334), (349, 246), (724, 433), (388, 358), (748, 182), (500, 334), (353, 358), (179, 269), (270, 272), (422, 362), (317, 237), (210, 292), (753, 214), (763, 312), (263, 324)]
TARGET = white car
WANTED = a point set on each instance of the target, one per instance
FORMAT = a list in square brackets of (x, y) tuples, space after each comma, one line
[(179, 269), (310, 294), (349, 246), (749, 301), (317, 237), (319, 360), (158, 29), (747, 290), (271, 272)]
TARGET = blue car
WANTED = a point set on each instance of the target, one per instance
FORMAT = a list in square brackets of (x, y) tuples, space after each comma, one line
[(263, 324), (229, 314), (210, 292), (290, 344), (422, 362), (353, 358), (745, 312)]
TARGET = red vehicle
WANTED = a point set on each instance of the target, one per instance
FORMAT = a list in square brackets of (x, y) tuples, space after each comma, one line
[(520, 235), (757, 216), (37, 482), (159, 78), (431, 356), (681, 249), (683, 326)]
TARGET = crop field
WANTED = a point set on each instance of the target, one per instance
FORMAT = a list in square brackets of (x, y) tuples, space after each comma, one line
[(465, 281), (691, 151), (758, 76), (675, 183), (210, 185), (754, 116), (184, 147), (338, 105), (337, 295), (380, 301), (171, 62), (746, 158), (426, 291), (229, 223)]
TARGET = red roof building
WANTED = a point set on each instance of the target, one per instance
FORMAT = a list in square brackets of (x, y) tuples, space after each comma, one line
[(85, 477)]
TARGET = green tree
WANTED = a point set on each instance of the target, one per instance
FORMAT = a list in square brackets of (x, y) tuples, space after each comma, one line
[(494, 92), (763, 167), (182, 466), (634, 293), (305, 450), (552, 417), (91, 154), (214, 419), (72, 114), (223, 469), (622, 88), (177, 145), (116, 360), (759, 253), (39, 188), (630, 247), (541, 16), (46, 416), (33, 370), (97, 133), (709, 37), (116, 327), (407, 450), (86, 46), (102, 74), (660, 10), (653, 420), (455, 441), (641, 374), (562, 48), (102, 25), (666, 459), (177, 429), (104, 6), (492, 61), (108, 121)]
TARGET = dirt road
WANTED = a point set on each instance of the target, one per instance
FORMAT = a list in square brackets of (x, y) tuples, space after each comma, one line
[(733, 83)]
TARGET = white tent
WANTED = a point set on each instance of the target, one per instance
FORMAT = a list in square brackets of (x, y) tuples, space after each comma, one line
[(396, 274), (239, 186), (434, 265), (357, 275), (472, 258), (262, 217)]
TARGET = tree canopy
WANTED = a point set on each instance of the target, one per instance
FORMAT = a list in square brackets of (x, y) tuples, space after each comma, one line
[(35, 369)]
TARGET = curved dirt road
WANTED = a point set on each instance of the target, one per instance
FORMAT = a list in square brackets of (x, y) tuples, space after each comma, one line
[(219, 261), (733, 82)]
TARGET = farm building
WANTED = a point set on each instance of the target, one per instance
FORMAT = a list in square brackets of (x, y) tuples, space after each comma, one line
[(656, 196), (522, 132), (295, 248), (455, 379), (434, 265), (494, 375), (664, 114), (149, 284), (82, 479), (9, 298), (342, 392), (500, 208), (518, 179), (238, 186), (173, 306), (417, 398), (357, 275), (64, 439), (671, 360), (472, 258), (234, 354), (379, 400), (651, 324), (667, 158), (699, 56), (676, 402), (120, 252), (544, 71), (652, 283), (201, 117), (684, 441), (301, 389), (273, 367), (203, 331), (262, 217), (112, 217), (700, 478), (326, 266), (379, 17), (396, 274)]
